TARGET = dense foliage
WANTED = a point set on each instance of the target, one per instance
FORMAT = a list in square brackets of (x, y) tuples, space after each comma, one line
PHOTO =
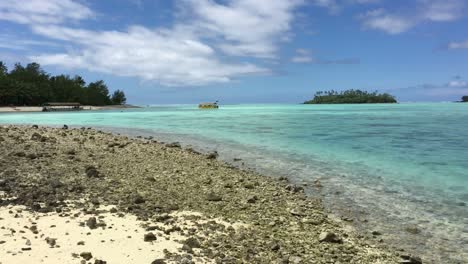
[(31, 86), (351, 97), (465, 98)]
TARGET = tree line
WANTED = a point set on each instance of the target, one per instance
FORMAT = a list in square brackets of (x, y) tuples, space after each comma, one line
[(351, 97), (30, 85)]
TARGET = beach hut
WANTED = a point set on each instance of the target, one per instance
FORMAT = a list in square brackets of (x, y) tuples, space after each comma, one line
[(209, 105)]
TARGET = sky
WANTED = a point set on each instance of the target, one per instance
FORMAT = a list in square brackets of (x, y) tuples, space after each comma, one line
[(245, 51)]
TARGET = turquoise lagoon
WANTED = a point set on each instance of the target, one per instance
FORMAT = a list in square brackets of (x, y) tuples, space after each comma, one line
[(400, 169)]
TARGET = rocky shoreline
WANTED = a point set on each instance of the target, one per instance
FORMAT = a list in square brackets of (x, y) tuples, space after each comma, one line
[(213, 212)]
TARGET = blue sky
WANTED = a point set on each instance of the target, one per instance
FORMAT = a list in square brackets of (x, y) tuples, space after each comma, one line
[(245, 51)]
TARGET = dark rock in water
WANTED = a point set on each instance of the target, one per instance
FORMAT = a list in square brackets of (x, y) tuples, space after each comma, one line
[(294, 188), (26, 249), (80, 243), (376, 233), (192, 242), (158, 261), (70, 152), (86, 255), (213, 197), (65, 127), (36, 136), (35, 126), (237, 159), (213, 155), (91, 223), (407, 259), (98, 261), (329, 237), (149, 237), (173, 145), (92, 172)]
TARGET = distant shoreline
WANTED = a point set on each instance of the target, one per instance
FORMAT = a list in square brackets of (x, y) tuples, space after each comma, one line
[(23, 109)]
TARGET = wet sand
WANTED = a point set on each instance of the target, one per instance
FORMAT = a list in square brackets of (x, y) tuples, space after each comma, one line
[(202, 209)]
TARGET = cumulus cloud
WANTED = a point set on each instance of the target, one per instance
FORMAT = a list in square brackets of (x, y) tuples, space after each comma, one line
[(244, 27), (426, 10), (210, 42), (162, 56), (43, 12)]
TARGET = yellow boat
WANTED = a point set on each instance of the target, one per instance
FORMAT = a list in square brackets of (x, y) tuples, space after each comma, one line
[(209, 105)]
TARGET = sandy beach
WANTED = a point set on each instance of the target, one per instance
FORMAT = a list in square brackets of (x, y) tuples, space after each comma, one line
[(13, 109), (71, 195)]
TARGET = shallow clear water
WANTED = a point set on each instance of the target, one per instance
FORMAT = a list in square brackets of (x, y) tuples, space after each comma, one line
[(394, 165)]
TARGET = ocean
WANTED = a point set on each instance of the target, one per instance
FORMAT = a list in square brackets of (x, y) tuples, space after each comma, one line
[(398, 169)]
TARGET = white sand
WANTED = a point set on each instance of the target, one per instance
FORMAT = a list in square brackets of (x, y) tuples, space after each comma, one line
[(123, 243), (12, 109)]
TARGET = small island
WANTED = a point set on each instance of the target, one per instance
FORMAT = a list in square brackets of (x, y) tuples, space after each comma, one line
[(464, 99), (351, 97)]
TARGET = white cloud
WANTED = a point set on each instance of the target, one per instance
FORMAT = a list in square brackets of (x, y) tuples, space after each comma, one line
[(426, 10), (162, 56), (244, 27), (379, 19), (209, 42), (442, 10), (458, 45), (43, 11), (392, 24)]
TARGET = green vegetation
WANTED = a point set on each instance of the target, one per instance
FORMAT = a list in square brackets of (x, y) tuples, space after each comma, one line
[(118, 98), (32, 86), (465, 98), (351, 97)]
